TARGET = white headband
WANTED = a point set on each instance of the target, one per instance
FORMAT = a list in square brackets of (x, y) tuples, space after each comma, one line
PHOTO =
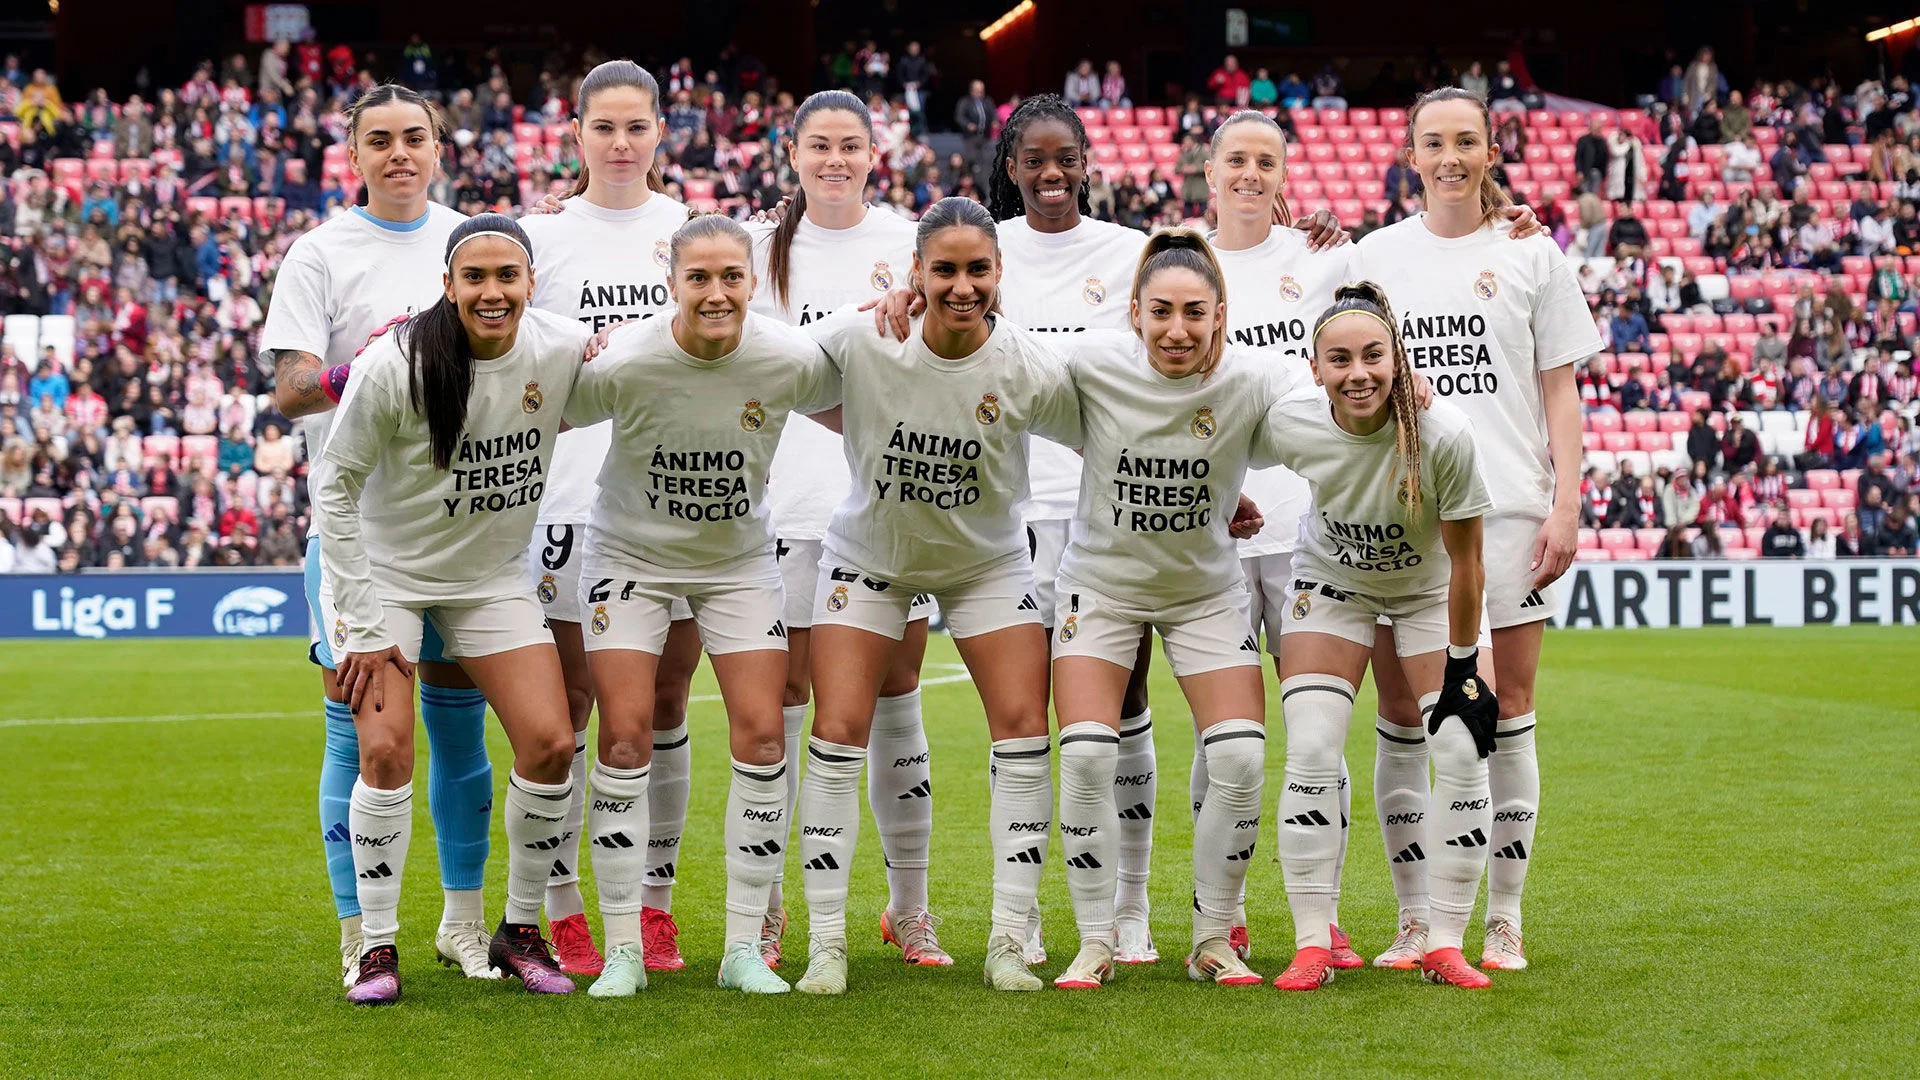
[(509, 237)]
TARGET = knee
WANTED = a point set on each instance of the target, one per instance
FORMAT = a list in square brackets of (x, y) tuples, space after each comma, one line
[(1454, 754), (546, 758), (762, 746), (794, 695), (899, 681), (386, 758), (579, 706), (841, 728), (1400, 710), (1515, 699), (626, 751), (669, 704)]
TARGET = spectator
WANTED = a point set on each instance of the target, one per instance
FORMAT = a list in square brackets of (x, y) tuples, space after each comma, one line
[(1262, 93), (1675, 545), (1229, 84), (1626, 165), (1627, 239), (1742, 160), (1853, 542), (1896, 538), (1113, 88), (1819, 540), (1629, 327), (1083, 86), (1741, 448), (1640, 508), (915, 74), (1328, 91), (1703, 445), (1596, 498), (1703, 84), (1294, 91), (1786, 163), (1680, 502), (1505, 90), (1474, 81), (1781, 540), (1591, 157), (32, 554)]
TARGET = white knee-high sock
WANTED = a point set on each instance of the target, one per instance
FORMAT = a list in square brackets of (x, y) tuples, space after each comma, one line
[(381, 821), (795, 717), (1228, 828), (829, 829), (1346, 831), (756, 837), (1021, 814), (1317, 709), (1197, 788), (617, 815), (1400, 794), (536, 831), (1457, 830), (669, 781), (1089, 824), (900, 793), (1513, 773), (1135, 787), (563, 883)]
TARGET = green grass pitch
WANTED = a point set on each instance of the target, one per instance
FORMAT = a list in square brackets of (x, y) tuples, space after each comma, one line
[(1725, 887)]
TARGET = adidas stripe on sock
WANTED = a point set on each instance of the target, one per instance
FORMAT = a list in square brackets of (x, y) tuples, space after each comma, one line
[(1317, 709), (1458, 825), (563, 881), (1513, 774), (381, 821), (669, 780), (829, 830), (1089, 824), (756, 838), (537, 838), (1400, 794), (900, 793), (1135, 787), (1228, 828), (1021, 814), (617, 811)]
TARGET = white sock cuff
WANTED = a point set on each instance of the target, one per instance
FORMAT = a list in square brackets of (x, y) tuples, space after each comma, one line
[(542, 791), (1427, 702), (368, 797), (617, 783), (1016, 753), (1088, 738), (795, 717), (670, 738), (579, 743), (769, 775), (824, 756), (1229, 731), (1236, 754), (897, 711), (1136, 730), (1515, 732), (1313, 681), (1395, 739)]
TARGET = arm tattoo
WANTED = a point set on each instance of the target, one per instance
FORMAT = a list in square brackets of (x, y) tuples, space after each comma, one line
[(296, 383)]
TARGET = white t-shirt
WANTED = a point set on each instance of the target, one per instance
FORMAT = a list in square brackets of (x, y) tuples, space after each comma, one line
[(1055, 283), (682, 493), (938, 448), (1359, 533), (599, 266), (343, 280), (1482, 315), (1275, 291), (1165, 462), (829, 269), (414, 534)]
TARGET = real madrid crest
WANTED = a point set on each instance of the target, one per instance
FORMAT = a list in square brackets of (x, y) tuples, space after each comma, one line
[(546, 590), (988, 411), (530, 401), (1301, 605), (1069, 628), (1094, 293), (1202, 426), (600, 618), (1471, 688), (882, 278), (1401, 495), (1290, 290), (661, 256), (339, 633), (838, 599), (753, 417), (1485, 287)]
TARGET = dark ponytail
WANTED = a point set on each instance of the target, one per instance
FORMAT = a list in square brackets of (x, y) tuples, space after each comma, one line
[(954, 212), (1003, 195), (439, 356), (780, 250), (1185, 249), (615, 73), (1371, 299)]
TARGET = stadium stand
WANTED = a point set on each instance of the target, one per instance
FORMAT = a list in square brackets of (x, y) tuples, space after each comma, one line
[(1756, 257)]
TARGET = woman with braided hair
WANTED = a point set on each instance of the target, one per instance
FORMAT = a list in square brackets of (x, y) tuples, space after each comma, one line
[(1393, 531)]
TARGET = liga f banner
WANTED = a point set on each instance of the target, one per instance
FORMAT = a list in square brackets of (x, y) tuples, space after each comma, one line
[(1765, 592)]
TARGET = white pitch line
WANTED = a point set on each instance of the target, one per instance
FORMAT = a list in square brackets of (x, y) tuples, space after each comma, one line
[(955, 676)]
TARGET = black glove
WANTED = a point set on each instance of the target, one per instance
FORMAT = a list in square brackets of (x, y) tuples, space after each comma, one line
[(1463, 694)]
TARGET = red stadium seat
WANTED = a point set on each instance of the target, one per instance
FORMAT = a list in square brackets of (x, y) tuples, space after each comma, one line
[(1310, 133), (166, 447), (1653, 442), (1587, 540), (1106, 154), (236, 206), (1166, 153), (160, 502), (1592, 555), (103, 170), (1630, 555), (1382, 153), (1616, 540), (1649, 539), (1331, 117), (1320, 152), (1822, 479), (529, 133), (1590, 440), (203, 206), (1615, 442), (1604, 422), (1156, 134), (1740, 554), (199, 448), (1362, 117), (1090, 116), (1135, 153), (135, 169), (1124, 135), (1098, 133), (1152, 116), (1841, 499), (10, 509), (51, 506)]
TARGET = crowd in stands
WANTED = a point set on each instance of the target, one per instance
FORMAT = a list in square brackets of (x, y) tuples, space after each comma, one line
[(1753, 261)]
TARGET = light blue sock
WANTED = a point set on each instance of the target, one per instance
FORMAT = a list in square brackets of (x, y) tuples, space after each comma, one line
[(459, 782), (339, 768)]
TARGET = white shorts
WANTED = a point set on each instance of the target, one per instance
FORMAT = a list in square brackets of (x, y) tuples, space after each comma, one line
[(738, 615), (554, 561), (1269, 591), (1200, 637), (1507, 549), (998, 597), (1046, 542), (1419, 625), (467, 628), (800, 570)]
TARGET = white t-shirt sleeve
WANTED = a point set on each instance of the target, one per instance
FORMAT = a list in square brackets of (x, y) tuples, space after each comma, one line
[(1458, 491), (1056, 405), (298, 318), (1563, 330), (367, 419), (592, 398), (835, 334), (818, 388)]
